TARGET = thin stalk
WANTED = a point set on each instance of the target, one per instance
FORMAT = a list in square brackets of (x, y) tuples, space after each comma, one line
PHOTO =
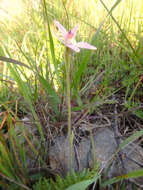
[(67, 63)]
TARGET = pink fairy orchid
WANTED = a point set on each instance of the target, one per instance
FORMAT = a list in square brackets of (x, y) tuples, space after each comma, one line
[(68, 38)]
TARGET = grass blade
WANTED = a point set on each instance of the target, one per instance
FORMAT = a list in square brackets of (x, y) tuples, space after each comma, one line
[(110, 13), (134, 174)]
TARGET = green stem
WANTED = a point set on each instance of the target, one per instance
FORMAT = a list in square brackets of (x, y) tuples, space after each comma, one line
[(67, 60)]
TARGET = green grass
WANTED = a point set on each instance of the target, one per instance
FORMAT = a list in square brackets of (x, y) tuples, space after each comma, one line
[(117, 32)]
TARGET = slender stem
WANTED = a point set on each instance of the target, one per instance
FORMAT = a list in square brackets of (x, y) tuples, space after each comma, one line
[(67, 59)]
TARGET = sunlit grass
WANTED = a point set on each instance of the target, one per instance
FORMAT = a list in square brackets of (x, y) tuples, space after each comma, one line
[(10, 9), (24, 26)]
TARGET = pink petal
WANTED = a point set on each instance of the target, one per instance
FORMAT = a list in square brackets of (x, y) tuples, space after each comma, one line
[(61, 28), (85, 45), (74, 31), (73, 47)]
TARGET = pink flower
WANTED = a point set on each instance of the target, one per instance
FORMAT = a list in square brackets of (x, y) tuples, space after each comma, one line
[(68, 38)]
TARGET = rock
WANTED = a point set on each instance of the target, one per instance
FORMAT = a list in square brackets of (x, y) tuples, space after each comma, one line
[(59, 156), (105, 148), (82, 152)]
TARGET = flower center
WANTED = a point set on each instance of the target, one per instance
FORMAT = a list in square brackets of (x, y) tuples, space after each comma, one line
[(69, 38), (70, 35)]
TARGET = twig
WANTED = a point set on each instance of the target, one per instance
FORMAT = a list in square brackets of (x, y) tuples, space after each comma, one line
[(3, 80), (132, 160), (13, 181), (117, 139), (9, 60), (116, 133), (47, 171), (131, 110)]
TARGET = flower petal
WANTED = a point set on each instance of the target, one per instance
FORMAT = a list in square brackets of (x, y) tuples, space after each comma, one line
[(73, 47), (74, 31), (61, 28), (85, 45)]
